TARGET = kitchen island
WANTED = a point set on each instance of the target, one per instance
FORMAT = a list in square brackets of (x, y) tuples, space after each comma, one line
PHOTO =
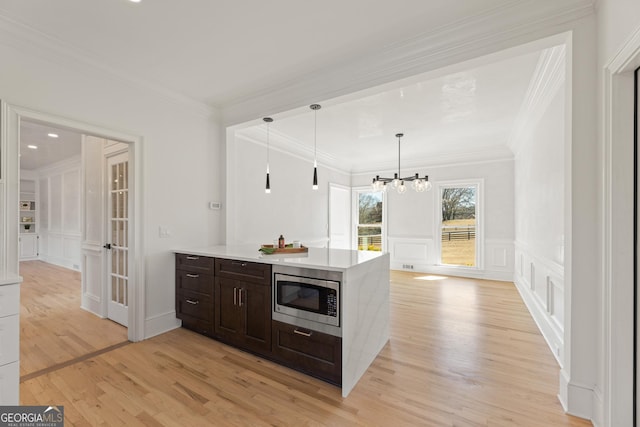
[(227, 293)]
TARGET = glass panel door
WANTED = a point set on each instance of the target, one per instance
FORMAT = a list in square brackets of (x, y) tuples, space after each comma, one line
[(118, 235)]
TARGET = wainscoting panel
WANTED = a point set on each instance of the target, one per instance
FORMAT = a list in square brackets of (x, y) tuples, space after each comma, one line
[(540, 282), (92, 280), (411, 254), (420, 254), (499, 260)]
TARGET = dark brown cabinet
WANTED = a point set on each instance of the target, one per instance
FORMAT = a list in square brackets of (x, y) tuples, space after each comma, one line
[(230, 300), (243, 304), (308, 351), (195, 293)]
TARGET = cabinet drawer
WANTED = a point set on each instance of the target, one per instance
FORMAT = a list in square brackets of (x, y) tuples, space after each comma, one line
[(10, 384), (196, 263), (9, 339), (308, 351), (194, 305), (9, 300), (243, 270), (194, 282)]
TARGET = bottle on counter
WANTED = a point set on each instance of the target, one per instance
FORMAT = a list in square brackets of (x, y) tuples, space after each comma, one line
[(281, 242)]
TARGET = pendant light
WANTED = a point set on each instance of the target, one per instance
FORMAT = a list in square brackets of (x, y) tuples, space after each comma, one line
[(315, 108), (418, 184), (267, 188)]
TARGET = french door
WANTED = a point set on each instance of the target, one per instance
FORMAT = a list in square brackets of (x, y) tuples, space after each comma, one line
[(118, 237)]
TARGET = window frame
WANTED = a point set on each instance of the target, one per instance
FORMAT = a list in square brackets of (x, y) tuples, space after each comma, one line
[(438, 187), (355, 221)]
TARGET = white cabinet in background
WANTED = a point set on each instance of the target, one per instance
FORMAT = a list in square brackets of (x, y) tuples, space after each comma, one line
[(28, 246)]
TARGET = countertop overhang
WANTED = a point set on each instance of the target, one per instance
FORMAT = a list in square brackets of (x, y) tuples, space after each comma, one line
[(316, 258)]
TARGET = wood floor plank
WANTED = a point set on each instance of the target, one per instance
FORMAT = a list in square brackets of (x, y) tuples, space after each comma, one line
[(462, 353), (53, 327)]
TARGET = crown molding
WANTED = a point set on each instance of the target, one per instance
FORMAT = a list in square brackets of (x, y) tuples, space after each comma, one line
[(490, 32), (27, 39), (422, 164), (283, 143), (546, 81)]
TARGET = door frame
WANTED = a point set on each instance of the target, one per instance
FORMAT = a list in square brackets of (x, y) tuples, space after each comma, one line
[(341, 187), (10, 168), (619, 285)]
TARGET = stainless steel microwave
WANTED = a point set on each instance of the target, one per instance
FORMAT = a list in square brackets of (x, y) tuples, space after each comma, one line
[(305, 301)]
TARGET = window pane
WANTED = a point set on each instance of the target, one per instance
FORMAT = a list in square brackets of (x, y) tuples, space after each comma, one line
[(459, 226), (370, 208), (369, 238)]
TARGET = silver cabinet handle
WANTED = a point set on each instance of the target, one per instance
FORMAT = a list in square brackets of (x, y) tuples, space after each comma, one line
[(193, 276), (235, 296), (304, 334), (241, 264), (192, 302), (193, 258), (240, 297)]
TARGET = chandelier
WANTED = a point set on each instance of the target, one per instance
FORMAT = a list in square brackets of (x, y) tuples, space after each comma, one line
[(418, 184)]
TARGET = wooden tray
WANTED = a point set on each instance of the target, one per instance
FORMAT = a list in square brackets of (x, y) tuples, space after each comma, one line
[(301, 249)]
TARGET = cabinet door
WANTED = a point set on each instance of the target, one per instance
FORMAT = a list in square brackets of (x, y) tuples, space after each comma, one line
[(228, 323), (255, 304), (28, 246)]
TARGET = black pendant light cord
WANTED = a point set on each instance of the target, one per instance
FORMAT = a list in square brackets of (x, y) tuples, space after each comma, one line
[(399, 154), (315, 108)]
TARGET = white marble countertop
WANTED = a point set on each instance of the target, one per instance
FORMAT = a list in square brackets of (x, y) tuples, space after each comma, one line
[(9, 278), (316, 258)]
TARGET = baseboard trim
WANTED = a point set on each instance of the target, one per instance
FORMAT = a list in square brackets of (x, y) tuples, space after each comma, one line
[(160, 324), (502, 276), (546, 325), (576, 399)]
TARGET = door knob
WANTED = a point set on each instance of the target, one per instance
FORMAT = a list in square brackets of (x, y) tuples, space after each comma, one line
[(107, 246)]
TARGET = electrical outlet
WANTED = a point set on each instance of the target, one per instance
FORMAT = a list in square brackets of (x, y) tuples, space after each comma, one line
[(164, 232)]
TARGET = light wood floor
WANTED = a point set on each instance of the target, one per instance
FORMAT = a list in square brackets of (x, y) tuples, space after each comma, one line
[(462, 353), (54, 330)]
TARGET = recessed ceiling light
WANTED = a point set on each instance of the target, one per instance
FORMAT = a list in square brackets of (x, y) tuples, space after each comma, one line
[(33, 147), (52, 135), (134, 1)]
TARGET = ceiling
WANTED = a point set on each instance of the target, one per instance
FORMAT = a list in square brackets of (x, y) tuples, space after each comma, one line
[(460, 116), (50, 150), (223, 53)]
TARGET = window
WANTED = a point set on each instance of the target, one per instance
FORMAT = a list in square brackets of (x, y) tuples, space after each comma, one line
[(369, 220), (459, 224)]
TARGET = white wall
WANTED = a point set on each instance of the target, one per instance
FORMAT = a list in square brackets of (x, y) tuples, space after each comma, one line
[(60, 217), (413, 219), (539, 213), (181, 153), (292, 208)]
